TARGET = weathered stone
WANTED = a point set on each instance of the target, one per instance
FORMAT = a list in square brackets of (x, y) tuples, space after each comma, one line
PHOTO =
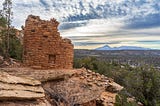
[(108, 98), (113, 87), (73, 90), (89, 80), (19, 95), (81, 77), (6, 86), (18, 88), (6, 78), (41, 75), (91, 103), (1, 59), (89, 71), (38, 102), (43, 46)]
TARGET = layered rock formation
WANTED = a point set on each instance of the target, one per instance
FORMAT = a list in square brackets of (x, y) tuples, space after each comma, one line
[(14, 90), (71, 87)]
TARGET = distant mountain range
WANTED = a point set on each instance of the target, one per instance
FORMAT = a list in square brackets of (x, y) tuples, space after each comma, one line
[(106, 47)]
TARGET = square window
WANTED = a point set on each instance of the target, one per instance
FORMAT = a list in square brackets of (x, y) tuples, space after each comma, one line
[(52, 59)]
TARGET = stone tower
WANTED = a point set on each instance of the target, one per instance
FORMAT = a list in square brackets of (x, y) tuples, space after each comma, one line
[(43, 46)]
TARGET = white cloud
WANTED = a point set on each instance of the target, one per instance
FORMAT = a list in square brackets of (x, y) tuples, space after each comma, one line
[(110, 23), (25, 1), (111, 31), (96, 27)]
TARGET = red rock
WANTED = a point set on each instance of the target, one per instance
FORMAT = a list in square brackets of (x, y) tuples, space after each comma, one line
[(43, 46)]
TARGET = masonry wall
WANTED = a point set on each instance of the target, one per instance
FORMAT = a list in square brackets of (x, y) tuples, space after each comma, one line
[(43, 46)]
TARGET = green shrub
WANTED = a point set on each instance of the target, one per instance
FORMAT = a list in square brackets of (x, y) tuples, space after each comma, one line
[(15, 46), (143, 83)]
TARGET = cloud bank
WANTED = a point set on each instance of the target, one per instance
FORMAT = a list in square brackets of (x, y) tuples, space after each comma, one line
[(91, 24)]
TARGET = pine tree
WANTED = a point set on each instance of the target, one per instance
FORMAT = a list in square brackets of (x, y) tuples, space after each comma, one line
[(7, 15)]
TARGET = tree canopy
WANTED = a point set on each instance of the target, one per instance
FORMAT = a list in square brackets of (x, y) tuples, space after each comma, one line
[(10, 45)]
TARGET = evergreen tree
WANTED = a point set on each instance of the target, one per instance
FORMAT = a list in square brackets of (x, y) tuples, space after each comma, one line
[(10, 45), (7, 15)]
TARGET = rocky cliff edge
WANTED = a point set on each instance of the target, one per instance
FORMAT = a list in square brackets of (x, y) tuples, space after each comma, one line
[(29, 87)]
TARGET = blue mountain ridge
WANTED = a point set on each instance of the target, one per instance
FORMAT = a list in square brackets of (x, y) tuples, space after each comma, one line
[(106, 47)]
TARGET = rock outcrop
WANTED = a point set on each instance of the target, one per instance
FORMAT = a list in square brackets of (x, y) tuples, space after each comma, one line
[(18, 88), (68, 87), (84, 87), (107, 99), (38, 102)]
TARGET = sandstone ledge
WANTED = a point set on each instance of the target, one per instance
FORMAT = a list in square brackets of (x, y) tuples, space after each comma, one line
[(18, 88), (63, 86), (6, 78), (41, 75)]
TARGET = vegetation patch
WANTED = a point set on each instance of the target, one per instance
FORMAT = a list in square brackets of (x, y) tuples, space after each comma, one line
[(141, 83)]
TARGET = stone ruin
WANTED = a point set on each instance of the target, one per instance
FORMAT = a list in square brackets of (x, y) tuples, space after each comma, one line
[(43, 46), (60, 85)]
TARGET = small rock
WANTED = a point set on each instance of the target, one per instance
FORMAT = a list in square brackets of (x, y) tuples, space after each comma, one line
[(89, 80), (82, 77), (89, 71), (99, 84), (113, 87)]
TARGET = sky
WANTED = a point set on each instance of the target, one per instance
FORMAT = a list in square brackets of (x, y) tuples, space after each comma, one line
[(95, 23)]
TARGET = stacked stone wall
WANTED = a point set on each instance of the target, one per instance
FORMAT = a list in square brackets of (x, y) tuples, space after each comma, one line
[(44, 48)]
